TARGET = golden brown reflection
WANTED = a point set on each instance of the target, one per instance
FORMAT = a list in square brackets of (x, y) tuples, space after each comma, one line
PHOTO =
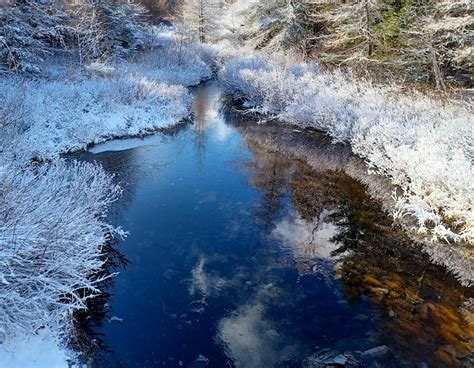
[(426, 316)]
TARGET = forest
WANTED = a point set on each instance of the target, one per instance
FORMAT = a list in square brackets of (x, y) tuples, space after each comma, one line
[(390, 81)]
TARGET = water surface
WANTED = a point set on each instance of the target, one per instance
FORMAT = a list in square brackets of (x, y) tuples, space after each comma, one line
[(241, 254)]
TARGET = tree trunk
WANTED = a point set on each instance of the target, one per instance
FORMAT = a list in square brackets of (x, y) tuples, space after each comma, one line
[(440, 86), (202, 37), (367, 20)]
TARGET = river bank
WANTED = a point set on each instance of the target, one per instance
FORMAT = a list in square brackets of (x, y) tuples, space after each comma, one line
[(53, 216), (51, 206), (421, 145)]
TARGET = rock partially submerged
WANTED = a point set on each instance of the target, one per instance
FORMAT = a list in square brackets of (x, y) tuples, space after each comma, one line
[(376, 352), (340, 360), (331, 359), (200, 362)]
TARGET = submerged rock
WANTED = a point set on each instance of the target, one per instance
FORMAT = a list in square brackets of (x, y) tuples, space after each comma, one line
[(376, 352), (200, 362), (327, 358), (340, 360)]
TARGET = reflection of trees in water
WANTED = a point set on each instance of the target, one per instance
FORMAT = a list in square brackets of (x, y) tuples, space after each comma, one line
[(420, 301), (204, 111), (122, 165), (318, 151), (200, 107), (127, 173), (85, 339), (270, 173), (305, 183)]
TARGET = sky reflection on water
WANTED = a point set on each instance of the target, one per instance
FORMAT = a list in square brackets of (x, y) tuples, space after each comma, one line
[(249, 257)]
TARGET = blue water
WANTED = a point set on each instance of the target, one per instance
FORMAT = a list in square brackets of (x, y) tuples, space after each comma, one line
[(232, 256)]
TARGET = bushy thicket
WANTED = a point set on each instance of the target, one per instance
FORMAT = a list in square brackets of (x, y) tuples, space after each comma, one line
[(270, 25), (52, 233), (61, 116), (423, 146), (124, 28), (31, 30), (173, 61)]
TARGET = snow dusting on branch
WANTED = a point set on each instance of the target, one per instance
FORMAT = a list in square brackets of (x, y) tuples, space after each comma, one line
[(52, 232)]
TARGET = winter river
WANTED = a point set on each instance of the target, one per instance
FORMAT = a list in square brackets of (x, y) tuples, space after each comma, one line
[(241, 254)]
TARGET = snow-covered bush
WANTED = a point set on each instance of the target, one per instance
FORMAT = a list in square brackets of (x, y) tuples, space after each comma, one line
[(68, 110), (32, 30), (424, 146), (125, 30), (52, 233), (28, 32), (271, 24), (62, 116), (172, 62)]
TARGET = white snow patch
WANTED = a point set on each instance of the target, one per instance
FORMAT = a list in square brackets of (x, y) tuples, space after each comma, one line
[(126, 144), (38, 351)]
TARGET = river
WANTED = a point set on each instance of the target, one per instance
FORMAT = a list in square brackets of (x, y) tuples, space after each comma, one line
[(243, 254)]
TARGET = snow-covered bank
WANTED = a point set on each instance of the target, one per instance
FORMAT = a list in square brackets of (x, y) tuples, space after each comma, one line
[(53, 213), (423, 146), (67, 112), (41, 350), (67, 116), (52, 234)]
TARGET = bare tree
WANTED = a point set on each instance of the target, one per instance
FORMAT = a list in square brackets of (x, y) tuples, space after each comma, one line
[(199, 18)]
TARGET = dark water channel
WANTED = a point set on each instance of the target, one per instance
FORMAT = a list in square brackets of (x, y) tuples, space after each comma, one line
[(242, 255)]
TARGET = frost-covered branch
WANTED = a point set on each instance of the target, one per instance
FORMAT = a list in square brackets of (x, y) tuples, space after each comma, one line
[(52, 232)]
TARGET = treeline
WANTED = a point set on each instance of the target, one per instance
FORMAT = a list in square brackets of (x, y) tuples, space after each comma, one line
[(416, 41), (31, 30), (411, 40), (160, 10)]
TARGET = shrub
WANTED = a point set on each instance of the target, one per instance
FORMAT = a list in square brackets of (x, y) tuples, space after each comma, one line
[(52, 232)]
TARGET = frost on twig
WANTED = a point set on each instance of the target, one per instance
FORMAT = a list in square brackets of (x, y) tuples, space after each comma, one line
[(52, 232)]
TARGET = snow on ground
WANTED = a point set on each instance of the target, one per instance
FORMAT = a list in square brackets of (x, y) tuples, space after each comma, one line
[(67, 116), (38, 351), (424, 146), (67, 111)]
